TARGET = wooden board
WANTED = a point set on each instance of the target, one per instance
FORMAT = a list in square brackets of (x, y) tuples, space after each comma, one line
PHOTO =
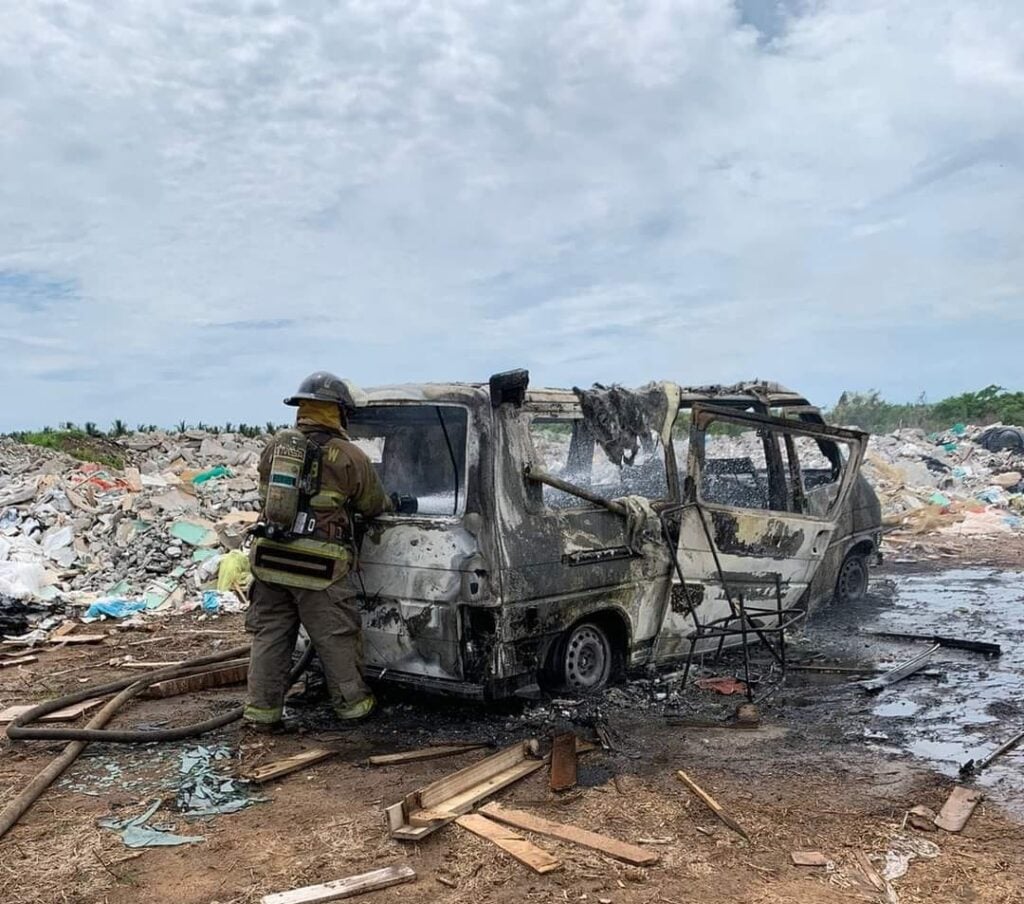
[(61, 715), (563, 762), (958, 808), (422, 818), (620, 850), (461, 791), (21, 660), (419, 756), (78, 638), (288, 765), (526, 852), (235, 674), (808, 858), (343, 888), (62, 630)]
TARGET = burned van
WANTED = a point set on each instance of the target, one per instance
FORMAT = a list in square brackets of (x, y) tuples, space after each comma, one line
[(565, 536)]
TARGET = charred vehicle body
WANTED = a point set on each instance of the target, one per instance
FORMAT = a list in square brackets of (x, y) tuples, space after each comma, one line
[(566, 536)]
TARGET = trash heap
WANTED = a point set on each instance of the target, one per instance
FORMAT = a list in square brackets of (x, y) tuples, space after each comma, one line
[(87, 539), (967, 481)]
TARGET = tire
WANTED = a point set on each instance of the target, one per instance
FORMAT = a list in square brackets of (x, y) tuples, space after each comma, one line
[(852, 583), (585, 659)]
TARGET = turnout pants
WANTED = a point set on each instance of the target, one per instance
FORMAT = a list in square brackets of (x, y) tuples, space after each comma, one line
[(331, 619)]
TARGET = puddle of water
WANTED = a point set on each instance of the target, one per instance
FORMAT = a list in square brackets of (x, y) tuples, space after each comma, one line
[(897, 709), (981, 701)]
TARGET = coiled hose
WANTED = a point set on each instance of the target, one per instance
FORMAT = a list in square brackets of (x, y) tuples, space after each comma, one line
[(125, 690)]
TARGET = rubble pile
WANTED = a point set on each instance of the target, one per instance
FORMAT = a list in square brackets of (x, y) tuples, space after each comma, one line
[(967, 481), (151, 536)]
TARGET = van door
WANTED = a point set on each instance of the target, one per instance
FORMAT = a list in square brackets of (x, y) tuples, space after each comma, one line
[(564, 557), (751, 523)]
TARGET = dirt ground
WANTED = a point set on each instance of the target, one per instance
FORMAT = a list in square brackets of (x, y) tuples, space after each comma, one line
[(828, 770)]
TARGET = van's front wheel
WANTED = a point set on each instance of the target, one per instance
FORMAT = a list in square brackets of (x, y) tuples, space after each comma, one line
[(585, 659)]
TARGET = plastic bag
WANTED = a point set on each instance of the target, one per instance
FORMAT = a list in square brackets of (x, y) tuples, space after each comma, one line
[(21, 579), (233, 571)]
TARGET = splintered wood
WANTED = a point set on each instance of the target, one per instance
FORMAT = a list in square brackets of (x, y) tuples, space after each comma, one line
[(343, 888), (526, 852), (440, 802), (290, 764), (620, 850), (712, 804)]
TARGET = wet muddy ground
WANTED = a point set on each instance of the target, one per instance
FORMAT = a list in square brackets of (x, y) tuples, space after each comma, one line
[(831, 769)]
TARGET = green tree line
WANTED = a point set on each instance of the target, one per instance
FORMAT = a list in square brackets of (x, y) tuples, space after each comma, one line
[(869, 411)]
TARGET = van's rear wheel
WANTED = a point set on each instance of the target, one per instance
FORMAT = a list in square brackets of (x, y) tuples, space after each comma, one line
[(852, 583), (585, 659)]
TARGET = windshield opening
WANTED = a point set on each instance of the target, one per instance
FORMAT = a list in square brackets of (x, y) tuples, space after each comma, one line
[(417, 450)]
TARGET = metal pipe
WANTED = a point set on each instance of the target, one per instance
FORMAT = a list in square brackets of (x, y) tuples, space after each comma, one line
[(556, 483)]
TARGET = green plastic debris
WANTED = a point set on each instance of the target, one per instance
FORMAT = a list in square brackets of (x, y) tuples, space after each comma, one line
[(121, 588), (157, 593), (939, 499), (135, 833), (211, 474), (950, 447), (201, 555), (194, 533), (958, 429)]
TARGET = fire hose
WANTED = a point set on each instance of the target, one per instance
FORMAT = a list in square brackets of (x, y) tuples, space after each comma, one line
[(125, 690)]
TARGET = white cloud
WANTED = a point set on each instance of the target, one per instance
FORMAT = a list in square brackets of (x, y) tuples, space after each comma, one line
[(411, 190)]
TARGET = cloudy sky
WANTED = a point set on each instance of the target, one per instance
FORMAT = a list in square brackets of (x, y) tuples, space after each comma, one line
[(202, 201)]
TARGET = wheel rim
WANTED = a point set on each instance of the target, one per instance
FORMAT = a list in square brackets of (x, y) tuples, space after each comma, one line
[(587, 659), (853, 582)]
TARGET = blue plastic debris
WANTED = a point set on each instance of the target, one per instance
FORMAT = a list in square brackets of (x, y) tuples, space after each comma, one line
[(113, 608), (135, 833)]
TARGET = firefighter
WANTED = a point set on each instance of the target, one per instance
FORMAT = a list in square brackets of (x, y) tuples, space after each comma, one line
[(312, 479)]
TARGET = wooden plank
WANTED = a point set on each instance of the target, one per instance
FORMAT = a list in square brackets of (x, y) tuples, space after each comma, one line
[(60, 641), (149, 666), (620, 850), (456, 783), (78, 638), (62, 630), (425, 753), (712, 804), (235, 674), (526, 852), (563, 762), (808, 858), (21, 660), (399, 814), (422, 818), (958, 808), (61, 715), (344, 888), (290, 764), (464, 802)]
